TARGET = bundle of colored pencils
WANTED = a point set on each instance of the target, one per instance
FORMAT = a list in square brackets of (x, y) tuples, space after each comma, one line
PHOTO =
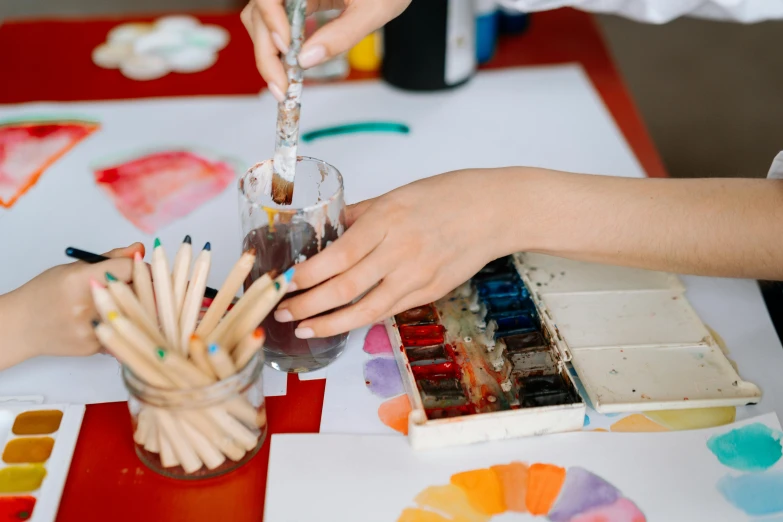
[(153, 328)]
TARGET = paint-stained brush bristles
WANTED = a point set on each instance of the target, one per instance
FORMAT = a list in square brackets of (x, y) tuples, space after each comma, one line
[(282, 190)]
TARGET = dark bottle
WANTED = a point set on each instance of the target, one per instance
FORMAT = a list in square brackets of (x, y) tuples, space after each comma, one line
[(431, 46)]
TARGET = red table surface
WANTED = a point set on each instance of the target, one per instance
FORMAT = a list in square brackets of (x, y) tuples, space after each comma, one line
[(50, 61)]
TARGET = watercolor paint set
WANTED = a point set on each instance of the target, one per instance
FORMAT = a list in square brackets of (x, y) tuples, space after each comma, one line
[(37, 443), (493, 359)]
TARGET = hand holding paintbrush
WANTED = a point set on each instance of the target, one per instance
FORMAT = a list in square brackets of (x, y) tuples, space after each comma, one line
[(163, 353), (287, 135)]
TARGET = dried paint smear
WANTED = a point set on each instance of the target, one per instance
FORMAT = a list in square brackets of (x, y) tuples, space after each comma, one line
[(382, 378), (154, 189), (28, 148), (546, 490)]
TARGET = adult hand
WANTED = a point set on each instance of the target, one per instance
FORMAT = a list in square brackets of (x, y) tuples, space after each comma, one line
[(267, 23), (52, 313), (415, 243)]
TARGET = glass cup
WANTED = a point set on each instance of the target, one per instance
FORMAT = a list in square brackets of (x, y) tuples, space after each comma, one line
[(284, 235), (223, 423)]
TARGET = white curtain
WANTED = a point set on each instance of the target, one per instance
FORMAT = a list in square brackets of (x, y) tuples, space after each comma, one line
[(662, 11)]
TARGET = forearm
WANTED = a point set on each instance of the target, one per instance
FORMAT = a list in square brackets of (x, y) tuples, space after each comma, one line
[(12, 346), (717, 227)]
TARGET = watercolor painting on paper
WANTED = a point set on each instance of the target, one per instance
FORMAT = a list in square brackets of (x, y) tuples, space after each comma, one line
[(730, 473), (29, 146), (153, 189)]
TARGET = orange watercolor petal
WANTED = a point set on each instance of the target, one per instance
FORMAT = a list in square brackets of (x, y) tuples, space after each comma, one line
[(544, 484), (513, 478), (637, 423), (420, 515), (452, 501), (483, 488), (600, 429), (394, 413)]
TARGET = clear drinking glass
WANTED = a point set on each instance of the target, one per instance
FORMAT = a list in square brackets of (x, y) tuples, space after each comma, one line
[(224, 423), (284, 235)]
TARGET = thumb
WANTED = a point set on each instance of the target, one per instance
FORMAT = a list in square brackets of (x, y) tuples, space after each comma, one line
[(357, 21), (128, 251)]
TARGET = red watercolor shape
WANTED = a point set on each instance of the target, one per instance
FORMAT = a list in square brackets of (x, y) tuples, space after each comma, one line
[(377, 341), (155, 189), (28, 148)]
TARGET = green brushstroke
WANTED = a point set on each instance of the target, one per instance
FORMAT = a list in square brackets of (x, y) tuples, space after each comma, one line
[(355, 128), (48, 120)]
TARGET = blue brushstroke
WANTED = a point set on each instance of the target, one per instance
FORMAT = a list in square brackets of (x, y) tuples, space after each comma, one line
[(756, 494), (355, 128), (754, 447)]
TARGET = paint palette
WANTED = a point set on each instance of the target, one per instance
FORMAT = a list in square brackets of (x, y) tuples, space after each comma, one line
[(37, 446), (491, 359)]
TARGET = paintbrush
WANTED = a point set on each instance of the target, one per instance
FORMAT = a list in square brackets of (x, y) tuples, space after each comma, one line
[(89, 257), (287, 135)]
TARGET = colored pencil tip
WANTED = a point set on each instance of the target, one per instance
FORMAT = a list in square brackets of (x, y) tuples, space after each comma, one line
[(258, 332), (157, 243), (113, 315), (187, 240), (213, 348), (110, 277), (251, 252), (95, 323), (289, 274), (207, 246), (69, 251), (194, 337), (137, 257), (277, 285), (160, 352), (95, 284)]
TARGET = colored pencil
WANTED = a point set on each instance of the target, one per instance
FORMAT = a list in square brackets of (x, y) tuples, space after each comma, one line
[(103, 300), (142, 285), (89, 257), (164, 296), (220, 333), (179, 274), (248, 347), (226, 293), (220, 361), (131, 307), (140, 341), (258, 311), (246, 438), (130, 357), (192, 305), (224, 442), (198, 353), (183, 450), (209, 454), (183, 369)]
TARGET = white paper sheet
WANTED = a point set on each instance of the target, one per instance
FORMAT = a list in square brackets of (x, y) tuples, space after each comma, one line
[(549, 117), (669, 476)]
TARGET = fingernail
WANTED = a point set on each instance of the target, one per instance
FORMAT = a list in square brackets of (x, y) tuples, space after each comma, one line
[(291, 287), (276, 92), (283, 316), (279, 43), (304, 333), (312, 56)]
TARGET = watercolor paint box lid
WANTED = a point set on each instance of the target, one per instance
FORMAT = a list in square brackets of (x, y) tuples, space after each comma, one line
[(632, 337)]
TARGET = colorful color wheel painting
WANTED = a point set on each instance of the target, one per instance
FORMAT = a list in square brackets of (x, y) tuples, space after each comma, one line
[(541, 490)]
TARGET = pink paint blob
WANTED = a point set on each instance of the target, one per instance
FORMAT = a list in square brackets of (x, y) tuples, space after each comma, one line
[(377, 341), (623, 510), (154, 189)]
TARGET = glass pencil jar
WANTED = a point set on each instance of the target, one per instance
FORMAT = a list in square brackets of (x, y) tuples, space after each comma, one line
[(283, 235), (200, 432)]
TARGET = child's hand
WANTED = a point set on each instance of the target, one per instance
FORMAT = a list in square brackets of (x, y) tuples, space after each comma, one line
[(52, 314)]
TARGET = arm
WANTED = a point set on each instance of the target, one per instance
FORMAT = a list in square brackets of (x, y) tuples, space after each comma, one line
[(415, 244), (717, 227), (13, 348), (662, 11)]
